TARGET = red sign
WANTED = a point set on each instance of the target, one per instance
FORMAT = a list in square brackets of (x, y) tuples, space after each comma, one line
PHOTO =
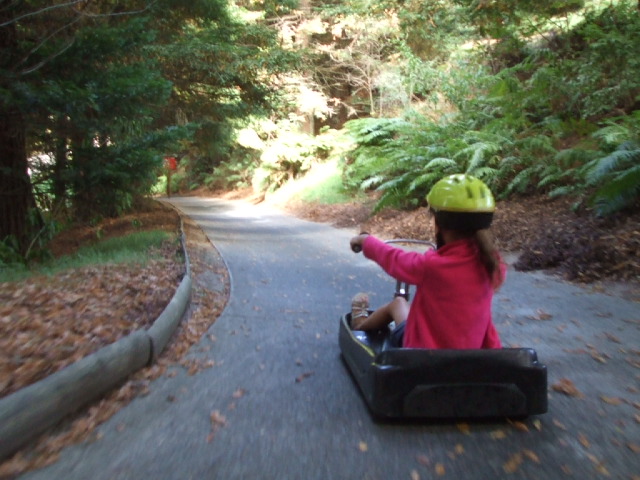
[(171, 163)]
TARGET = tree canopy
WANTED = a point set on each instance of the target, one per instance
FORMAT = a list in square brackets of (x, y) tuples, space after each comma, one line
[(527, 95), (95, 93)]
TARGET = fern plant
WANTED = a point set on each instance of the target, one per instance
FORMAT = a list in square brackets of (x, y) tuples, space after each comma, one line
[(616, 175), (369, 163), (531, 157)]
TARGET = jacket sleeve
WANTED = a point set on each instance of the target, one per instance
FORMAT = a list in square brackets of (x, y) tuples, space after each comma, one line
[(400, 264)]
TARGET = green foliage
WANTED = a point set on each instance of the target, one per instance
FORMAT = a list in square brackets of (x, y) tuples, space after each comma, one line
[(135, 248), (511, 18), (288, 157), (518, 112), (236, 172), (370, 161), (12, 254), (617, 174)]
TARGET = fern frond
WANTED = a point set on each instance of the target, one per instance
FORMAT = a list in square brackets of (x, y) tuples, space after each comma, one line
[(425, 180), (622, 191), (371, 182), (479, 153), (520, 182), (397, 181), (511, 162), (443, 164), (537, 144), (390, 198), (486, 174), (562, 191), (613, 134), (374, 131), (610, 163)]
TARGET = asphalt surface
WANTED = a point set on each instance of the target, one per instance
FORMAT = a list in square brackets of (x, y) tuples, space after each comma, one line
[(280, 404)]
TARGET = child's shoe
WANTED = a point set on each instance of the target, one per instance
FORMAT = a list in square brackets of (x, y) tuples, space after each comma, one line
[(359, 309)]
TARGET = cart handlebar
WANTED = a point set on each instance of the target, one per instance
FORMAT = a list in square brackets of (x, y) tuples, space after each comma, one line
[(358, 248)]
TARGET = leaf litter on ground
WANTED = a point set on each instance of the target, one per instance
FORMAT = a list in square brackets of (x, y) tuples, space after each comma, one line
[(88, 326)]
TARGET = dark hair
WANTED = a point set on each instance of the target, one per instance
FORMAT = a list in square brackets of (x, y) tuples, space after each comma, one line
[(463, 221), (476, 226), (489, 257)]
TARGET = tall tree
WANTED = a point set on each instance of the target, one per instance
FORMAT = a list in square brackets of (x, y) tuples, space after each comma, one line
[(33, 37), (89, 83), (16, 196)]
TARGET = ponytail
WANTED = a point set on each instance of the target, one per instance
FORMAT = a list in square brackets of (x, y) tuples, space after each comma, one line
[(490, 257)]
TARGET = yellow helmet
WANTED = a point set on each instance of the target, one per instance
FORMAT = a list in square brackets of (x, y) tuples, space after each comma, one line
[(462, 202)]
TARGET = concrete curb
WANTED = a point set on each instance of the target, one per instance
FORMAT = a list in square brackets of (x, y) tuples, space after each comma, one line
[(28, 412)]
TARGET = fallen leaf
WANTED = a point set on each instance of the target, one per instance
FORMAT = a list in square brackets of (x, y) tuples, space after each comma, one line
[(566, 387), (498, 434), (300, 378), (531, 455), (611, 337), (363, 447), (541, 315), (514, 462), (566, 470), (415, 475), (423, 460), (239, 393), (217, 420), (537, 424), (464, 428), (440, 470), (612, 400), (559, 424), (598, 357), (635, 448), (584, 441), (520, 426), (602, 469), (459, 449)]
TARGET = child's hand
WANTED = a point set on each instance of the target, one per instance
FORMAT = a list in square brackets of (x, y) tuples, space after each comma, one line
[(356, 242)]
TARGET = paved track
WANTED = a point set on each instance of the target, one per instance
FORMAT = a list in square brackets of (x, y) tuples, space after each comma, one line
[(288, 409)]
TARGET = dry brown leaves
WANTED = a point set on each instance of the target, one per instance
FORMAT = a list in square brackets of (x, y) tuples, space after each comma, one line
[(48, 323)]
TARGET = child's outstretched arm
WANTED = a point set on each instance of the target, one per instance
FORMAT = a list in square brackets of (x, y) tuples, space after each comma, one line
[(402, 265)]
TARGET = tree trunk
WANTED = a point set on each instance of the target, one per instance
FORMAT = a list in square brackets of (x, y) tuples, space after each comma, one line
[(16, 198), (16, 193)]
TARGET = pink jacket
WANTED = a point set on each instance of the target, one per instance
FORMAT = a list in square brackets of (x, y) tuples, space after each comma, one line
[(452, 303)]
